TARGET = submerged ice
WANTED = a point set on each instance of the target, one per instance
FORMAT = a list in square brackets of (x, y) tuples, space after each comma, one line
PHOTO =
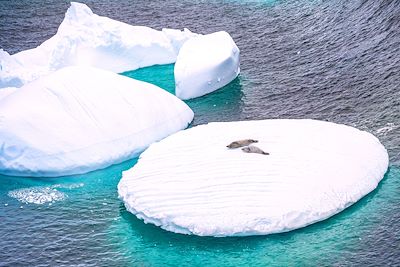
[(314, 170), (80, 119)]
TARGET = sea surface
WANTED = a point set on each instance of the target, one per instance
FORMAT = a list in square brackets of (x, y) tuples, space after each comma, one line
[(332, 60)]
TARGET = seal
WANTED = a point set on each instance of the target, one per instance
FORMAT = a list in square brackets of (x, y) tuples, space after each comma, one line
[(241, 143), (254, 149)]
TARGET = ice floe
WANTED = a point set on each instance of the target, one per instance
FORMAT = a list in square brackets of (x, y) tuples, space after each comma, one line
[(79, 119), (206, 63), (191, 183), (86, 39)]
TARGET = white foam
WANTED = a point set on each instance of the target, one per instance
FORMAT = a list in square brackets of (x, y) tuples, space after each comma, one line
[(86, 39), (80, 119), (191, 183), (69, 186), (206, 63), (386, 129)]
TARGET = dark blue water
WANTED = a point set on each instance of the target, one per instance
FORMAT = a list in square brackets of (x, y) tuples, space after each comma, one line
[(331, 60)]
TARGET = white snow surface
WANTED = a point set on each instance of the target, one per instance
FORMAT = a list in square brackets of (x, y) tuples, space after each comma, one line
[(191, 183), (206, 63), (7, 91), (86, 39), (80, 119)]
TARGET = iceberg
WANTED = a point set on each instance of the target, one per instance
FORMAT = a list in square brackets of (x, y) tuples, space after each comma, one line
[(86, 39), (80, 119), (206, 63), (191, 183)]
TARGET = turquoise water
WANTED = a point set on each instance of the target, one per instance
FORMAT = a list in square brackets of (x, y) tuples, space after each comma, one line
[(92, 219), (330, 60), (89, 224), (160, 75), (224, 104)]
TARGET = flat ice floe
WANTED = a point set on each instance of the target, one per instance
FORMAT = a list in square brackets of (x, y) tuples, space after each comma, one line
[(206, 63), (191, 183), (80, 119), (86, 39)]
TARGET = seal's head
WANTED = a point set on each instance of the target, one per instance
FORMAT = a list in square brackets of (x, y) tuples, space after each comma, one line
[(246, 149), (240, 143)]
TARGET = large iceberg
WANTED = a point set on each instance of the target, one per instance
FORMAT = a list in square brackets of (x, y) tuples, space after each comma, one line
[(86, 39), (206, 63), (191, 183), (79, 119)]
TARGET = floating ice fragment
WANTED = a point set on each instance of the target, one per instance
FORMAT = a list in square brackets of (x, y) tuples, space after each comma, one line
[(206, 63), (191, 183), (80, 119)]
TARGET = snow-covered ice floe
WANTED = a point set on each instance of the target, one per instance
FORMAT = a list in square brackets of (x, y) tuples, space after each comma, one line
[(191, 183), (79, 119), (86, 39), (206, 63)]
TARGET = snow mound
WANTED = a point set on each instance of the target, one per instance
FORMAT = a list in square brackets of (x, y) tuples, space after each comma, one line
[(86, 39), (191, 183), (206, 63), (80, 119)]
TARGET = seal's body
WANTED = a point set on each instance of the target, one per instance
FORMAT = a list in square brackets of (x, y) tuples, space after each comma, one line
[(241, 143), (254, 149)]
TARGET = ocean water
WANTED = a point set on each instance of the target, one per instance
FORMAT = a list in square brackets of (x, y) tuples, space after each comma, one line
[(332, 60)]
